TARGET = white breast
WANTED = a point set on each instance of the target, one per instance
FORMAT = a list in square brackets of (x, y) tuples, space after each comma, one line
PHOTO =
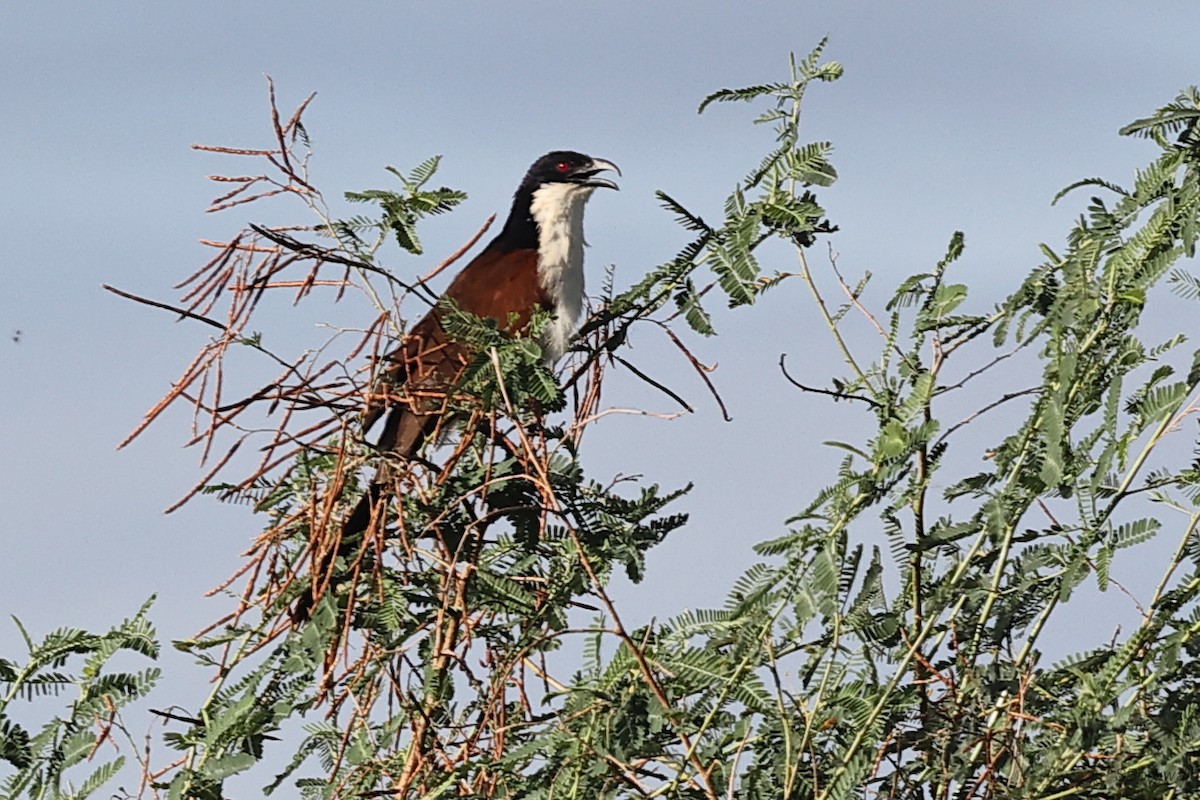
[(557, 209)]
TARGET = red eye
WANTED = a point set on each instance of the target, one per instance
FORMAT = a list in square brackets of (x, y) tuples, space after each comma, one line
[(562, 166)]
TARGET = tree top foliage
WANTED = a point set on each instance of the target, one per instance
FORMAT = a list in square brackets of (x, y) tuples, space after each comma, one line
[(896, 638)]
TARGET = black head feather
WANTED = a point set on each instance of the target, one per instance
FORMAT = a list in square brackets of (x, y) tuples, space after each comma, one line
[(557, 166), (567, 166)]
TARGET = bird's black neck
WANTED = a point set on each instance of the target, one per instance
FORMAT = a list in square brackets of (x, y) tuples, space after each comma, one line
[(520, 229)]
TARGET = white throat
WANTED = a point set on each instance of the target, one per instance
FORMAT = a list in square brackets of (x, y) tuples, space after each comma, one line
[(557, 208)]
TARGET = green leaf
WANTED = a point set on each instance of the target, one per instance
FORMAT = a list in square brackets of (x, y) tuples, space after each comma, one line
[(688, 302), (946, 298), (218, 769), (893, 439), (740, 95)]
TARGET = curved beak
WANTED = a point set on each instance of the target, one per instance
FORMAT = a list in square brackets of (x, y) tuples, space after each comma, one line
[(587, 175)]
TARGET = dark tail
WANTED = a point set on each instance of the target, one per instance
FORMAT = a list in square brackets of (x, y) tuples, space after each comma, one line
[(353, 529), (403, 433)]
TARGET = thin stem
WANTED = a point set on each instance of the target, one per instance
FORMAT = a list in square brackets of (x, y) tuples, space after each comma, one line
[(831, 323)]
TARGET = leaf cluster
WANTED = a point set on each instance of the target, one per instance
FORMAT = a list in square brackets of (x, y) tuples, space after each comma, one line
[(46, 761), (773, 201), (401, 211)]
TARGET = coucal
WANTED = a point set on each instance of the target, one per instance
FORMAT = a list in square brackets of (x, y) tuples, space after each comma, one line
[(535, 262)]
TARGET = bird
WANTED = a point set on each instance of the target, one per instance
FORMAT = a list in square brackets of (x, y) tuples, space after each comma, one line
[(535, 262)]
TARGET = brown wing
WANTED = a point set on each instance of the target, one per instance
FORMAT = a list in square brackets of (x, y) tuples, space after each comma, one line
[(412, 391), (501, 285)]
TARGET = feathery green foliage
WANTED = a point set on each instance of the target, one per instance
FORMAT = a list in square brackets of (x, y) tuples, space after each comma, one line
[(402, 211), (898, 639), (70, 754)]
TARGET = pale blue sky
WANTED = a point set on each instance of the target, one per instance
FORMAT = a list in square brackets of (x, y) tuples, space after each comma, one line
[(951, 116)]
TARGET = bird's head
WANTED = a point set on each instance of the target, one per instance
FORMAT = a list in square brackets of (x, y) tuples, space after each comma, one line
[(571, 168), (554, 189)]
